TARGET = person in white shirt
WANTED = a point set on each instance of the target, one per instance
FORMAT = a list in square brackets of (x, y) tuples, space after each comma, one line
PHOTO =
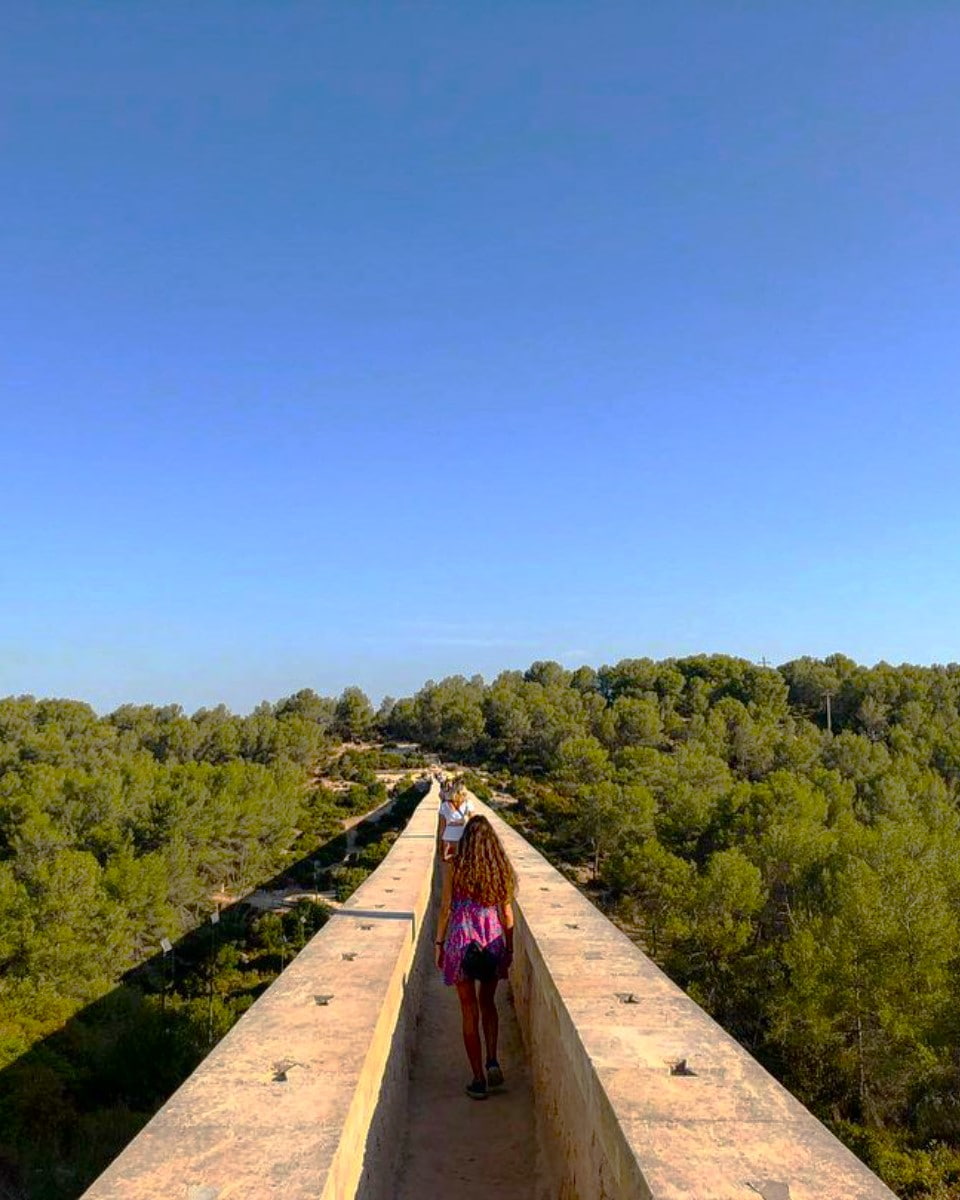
[(455, 812)]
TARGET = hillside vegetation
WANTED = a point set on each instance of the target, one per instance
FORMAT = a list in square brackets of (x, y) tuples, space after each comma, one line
[(801, 882), (798, 873), (119, 834)]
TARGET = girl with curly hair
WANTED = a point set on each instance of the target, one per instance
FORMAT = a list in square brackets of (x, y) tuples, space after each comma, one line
[(475, 943)]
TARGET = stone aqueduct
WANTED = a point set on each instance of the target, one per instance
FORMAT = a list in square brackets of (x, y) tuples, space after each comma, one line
[(637, 1092)]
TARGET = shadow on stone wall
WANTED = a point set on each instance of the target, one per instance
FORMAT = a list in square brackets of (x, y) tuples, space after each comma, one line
[(384, 1146)]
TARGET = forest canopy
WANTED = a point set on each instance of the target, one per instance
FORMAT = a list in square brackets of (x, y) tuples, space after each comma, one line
[(785, 842), (121, 839)]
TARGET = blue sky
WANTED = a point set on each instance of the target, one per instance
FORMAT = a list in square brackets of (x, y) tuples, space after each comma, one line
[(371, 343)]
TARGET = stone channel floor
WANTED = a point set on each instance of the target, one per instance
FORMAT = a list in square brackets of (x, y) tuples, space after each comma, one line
[(454, 1146)]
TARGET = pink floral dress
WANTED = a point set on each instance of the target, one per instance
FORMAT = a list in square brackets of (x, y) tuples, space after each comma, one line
[(472, 922)]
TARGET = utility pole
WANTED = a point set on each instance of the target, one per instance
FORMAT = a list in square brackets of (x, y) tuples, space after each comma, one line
[(828, 697), (214, 922), (167, 947)]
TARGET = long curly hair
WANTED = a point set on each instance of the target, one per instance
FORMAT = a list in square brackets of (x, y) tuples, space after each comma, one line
[(481, 870)]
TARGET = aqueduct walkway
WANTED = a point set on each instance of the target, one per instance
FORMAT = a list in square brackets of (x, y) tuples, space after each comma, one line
[(344, 1080), (453, 1147)]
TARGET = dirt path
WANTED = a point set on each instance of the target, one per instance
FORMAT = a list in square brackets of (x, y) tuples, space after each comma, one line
[(351, 824), (286, 897), (456, 1146)]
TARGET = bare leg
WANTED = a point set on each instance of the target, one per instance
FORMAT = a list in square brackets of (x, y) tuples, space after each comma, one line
[(467, 993), (490, 1017)]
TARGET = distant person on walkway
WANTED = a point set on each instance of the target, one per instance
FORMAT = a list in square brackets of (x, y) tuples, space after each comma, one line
[(475, 943), (455, 812)]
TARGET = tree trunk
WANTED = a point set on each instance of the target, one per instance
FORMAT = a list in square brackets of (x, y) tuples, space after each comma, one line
[(861, 1066)]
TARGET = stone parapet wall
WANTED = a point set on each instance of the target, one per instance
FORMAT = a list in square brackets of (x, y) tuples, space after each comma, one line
[(305, 1097), (618, 1117)]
